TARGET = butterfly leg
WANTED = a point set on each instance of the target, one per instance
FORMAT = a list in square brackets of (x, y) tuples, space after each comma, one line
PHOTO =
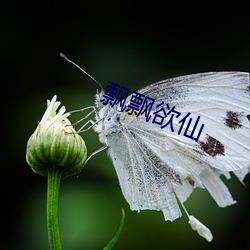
[(86, 116), (94, 153), (81, 129)]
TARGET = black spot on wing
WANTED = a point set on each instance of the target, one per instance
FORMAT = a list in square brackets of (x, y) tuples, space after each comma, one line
[(212, 146), (190, 181), (248, 89), (233, 119)]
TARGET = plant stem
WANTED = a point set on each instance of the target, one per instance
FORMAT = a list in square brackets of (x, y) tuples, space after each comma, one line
[(54, 177)]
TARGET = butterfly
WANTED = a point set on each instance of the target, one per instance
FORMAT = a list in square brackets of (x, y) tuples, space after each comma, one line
[(157, 168)]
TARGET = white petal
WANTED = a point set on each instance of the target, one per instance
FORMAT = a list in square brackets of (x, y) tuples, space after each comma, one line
[(200, 228), (51, 114), (50, 109)]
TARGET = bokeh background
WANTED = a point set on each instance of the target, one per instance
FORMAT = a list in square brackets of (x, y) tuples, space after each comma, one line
[(132, 44)]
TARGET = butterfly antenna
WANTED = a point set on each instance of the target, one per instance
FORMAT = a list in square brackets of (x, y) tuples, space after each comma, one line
[(68, 60)]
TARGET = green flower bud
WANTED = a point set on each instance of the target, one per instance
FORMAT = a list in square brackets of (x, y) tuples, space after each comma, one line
[(55, 144)]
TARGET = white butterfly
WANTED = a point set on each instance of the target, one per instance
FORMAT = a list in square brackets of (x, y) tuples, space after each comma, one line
[(158, 169)]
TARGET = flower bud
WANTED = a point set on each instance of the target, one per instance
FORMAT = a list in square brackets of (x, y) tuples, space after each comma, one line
[(55, 144)]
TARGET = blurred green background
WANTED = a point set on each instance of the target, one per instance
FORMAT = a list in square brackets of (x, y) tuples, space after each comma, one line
[(132, 44)]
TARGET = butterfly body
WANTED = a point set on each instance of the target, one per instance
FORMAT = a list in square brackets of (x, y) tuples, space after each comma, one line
[(109, 121)]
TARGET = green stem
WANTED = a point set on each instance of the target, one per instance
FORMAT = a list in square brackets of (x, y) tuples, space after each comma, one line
[(54, 177)]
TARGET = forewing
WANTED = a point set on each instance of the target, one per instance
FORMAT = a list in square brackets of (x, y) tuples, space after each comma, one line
[(154, 164), (222, 100)]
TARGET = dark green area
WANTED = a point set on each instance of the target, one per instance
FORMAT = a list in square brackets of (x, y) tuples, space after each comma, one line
[(131, 45)]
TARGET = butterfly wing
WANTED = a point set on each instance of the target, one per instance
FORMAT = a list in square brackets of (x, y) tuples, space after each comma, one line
[(222, 100), (138, 171), (155, 165)]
